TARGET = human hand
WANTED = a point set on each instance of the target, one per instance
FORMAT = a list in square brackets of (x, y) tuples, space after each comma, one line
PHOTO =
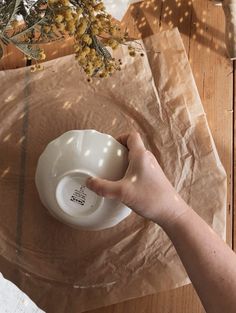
[(144, 187)]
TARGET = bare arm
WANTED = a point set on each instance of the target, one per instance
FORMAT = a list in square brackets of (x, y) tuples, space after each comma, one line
[(209, 262)]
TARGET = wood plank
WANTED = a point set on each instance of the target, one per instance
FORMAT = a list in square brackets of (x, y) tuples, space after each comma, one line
[(213, 73), (12, 58), (181, 300)]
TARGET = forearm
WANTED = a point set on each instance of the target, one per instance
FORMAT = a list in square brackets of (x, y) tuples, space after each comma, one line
[(209, 262)]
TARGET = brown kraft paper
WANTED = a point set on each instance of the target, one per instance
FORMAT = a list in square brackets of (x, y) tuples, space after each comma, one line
[(67, 270)]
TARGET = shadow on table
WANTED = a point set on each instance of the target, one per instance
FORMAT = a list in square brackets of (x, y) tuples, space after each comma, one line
[(152, 16)]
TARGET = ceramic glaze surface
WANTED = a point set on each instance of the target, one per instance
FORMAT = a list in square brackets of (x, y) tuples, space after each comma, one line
[(62, 171)]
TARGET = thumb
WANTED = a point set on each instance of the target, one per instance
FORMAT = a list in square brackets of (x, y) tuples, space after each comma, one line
[(104, 188)]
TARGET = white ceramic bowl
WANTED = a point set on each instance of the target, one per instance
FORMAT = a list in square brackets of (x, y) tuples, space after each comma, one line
[(61, 173)]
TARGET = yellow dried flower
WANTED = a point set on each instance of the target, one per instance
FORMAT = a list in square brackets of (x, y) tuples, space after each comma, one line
[(87, 39), (103, 75), (68, 15), (82, 27), (61, 27), (75, 18), (90, 8), (39, 67), (132, 53), (113, 43), (90, 25), (53, 28), (42, 55), (70, 26), (82, 54), (59, 18), (86, 50), (46, 29), (64, 2), (98, 63), (52, 2), (99, 7), (77, 48), (89, 71), (93, 51), (95, 30), (79, 11), (33, 69)]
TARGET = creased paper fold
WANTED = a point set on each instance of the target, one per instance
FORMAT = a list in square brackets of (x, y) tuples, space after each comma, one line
[(63, 268)]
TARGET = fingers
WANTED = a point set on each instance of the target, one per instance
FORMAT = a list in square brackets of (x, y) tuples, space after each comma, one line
[(117, 189), (132, 141), (105, 188), (123, 139)]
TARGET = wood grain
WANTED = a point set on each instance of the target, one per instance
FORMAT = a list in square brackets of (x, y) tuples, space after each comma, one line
[(213, 74), (202, 28), (181, 300), (12, 58)]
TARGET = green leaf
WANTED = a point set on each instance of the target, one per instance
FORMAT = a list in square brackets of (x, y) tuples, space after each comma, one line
[(32, 51), (38, 22), (1, 51), (15, 7), (33, 10), (100, 48)]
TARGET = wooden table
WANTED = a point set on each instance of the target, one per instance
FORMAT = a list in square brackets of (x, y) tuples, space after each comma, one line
[(202, 28)]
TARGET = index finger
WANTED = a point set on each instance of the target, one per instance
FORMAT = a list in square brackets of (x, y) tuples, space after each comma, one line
[(132, 141), (123, 138)]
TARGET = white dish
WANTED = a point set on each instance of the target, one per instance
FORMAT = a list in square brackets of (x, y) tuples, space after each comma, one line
[(61, 173)]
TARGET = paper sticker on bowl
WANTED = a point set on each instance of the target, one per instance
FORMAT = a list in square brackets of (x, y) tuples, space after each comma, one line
[(74, 197)]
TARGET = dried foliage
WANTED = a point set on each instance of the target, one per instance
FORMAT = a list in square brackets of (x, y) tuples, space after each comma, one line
[(29, 23)]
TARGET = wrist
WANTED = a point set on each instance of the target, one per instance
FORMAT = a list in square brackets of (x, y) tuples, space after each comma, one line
[(173, 211)]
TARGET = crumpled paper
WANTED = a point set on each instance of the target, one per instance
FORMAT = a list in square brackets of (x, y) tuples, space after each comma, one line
[(69, 270), (118, 8)]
